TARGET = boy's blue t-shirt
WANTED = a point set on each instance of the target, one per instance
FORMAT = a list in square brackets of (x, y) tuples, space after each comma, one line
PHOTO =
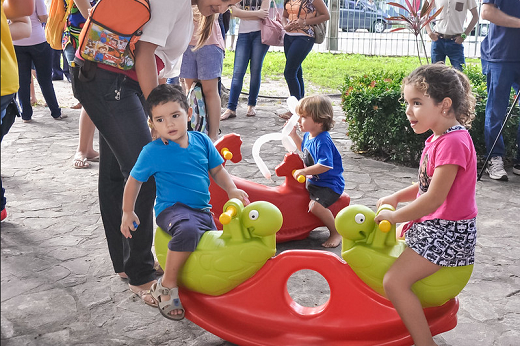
[(502, 44), (181, 174), (321, 150)]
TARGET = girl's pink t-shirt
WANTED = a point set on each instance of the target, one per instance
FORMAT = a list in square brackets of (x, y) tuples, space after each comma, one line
[(455, 148)]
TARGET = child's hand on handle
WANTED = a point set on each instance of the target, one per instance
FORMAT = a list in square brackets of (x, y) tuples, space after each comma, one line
[(387, 215), (129, 222), (391, 199), (297, 173), (240, 194)]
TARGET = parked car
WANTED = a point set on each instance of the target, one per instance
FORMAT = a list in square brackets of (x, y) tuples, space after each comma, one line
[(361, 14)]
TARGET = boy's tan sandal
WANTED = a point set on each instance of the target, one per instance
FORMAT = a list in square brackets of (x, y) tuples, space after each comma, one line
[(165, 307)]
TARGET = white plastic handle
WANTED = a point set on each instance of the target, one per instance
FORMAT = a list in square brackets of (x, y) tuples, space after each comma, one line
[(256, 151), (287, 141)]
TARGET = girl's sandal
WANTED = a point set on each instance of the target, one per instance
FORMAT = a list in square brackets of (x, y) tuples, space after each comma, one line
[(165, 307)]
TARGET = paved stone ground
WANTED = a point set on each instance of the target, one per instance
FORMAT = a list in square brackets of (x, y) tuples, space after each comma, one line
[(58, 287)]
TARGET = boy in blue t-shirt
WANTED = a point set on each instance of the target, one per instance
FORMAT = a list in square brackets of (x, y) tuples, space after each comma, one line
[(322, 160), (179, 161)]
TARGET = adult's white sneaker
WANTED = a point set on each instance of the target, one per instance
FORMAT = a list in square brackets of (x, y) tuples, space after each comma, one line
[(496, 170)]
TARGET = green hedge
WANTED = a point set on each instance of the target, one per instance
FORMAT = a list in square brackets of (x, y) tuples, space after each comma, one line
[(377, 125)]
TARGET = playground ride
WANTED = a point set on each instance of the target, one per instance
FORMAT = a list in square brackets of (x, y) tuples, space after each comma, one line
[(371, 249), (287, 141), (224, 259), (260, 311), (291, 197)]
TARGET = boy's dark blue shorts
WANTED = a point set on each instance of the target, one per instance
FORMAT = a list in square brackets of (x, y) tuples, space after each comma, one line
[(323, 195), (186, 225)]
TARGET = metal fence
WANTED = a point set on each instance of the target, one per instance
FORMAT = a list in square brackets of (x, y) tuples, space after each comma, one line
[(352, 29)]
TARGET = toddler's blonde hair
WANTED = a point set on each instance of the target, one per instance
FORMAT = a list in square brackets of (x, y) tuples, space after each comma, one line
[(319, 108)]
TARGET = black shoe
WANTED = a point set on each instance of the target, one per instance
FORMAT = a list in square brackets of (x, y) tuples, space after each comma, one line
[(516, 169)]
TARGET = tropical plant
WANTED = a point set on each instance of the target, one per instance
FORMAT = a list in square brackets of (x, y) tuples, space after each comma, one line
[(418, 17)]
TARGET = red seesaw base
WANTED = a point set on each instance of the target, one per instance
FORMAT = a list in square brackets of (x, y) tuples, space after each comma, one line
[(261, 312)]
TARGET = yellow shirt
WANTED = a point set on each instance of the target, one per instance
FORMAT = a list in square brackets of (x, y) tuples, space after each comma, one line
[(9, 65)]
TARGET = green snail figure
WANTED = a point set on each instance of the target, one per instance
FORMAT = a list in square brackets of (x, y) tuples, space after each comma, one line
[(224, 259), (371, 249)]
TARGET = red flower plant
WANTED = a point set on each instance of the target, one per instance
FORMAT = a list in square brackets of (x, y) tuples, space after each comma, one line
[(416, 20)]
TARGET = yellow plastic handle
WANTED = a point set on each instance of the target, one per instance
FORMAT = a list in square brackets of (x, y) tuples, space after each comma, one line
[(300, 178), (228, 155), (385, 226), (226, 216)]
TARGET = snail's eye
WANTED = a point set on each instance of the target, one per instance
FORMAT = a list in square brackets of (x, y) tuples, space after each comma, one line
[(360, 218), (253, 214)]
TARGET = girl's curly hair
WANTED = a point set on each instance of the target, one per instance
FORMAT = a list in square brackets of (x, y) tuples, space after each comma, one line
[(439, 81)]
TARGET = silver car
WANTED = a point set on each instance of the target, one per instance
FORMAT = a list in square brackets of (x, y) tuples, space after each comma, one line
[(361, 14)]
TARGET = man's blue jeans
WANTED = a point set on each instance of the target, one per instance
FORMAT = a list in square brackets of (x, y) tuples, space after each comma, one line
[(296, 49), (249, 48), (501, 76), (41, 55), (443, 48)]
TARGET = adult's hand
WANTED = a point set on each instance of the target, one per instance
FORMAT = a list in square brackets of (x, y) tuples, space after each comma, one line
[(262, 14), (434, 36)]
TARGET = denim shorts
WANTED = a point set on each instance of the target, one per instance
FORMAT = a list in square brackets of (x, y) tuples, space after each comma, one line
[(186, 225), (202, 64)]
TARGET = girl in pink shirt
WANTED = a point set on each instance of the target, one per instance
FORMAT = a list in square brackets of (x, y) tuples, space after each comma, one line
[(441, 229)]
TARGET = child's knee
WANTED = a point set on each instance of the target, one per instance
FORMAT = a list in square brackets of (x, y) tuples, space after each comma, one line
[(390, 284), (315, 207)]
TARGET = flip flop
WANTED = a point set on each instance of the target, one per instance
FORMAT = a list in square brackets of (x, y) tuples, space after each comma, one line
[(228, 114), (93, 159), (80, 163)]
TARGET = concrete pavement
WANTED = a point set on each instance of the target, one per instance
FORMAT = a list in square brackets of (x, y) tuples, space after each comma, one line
[(57, 283)]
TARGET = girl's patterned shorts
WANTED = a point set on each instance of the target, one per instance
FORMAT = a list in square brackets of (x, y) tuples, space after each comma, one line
[(444, 242)]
